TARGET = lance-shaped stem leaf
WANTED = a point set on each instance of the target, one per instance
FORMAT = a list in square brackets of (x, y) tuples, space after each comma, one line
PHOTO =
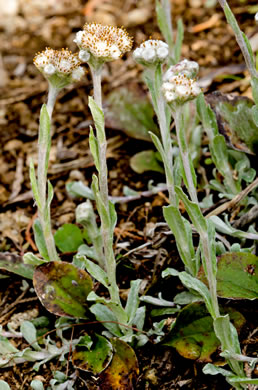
[(106, 210), (153, 79), (207, 236), (39, 184), (247, 52), (180, 115), (182, 231), (218, 147)]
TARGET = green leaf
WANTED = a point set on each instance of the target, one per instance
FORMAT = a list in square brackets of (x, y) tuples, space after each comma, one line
[(186, 297), (227, 334), (133, 301), (194, 212), (63, 289), (123, 370), (130, 111), (254, 85), (170, 272), (245, 380), (159, 147), (215, 370), (179, 41), (96, 272), (207, 117), (96, 359), (194, 284), (40, 240), (163, 12), (236, 276), (113, 217), (117, 309), (235, 121), (146, 161), (193, 335), (78, 189), (139, 317), (4, 385), (98, 118), (103, 313), (31, 259), (36, 384), (44, 139), (68, 238), (34, 184), (241, 38), (29, 332), (14, 263), (103, 212), (166, 311), (6, 347), (219, 154), (182, 231), (94, 148)]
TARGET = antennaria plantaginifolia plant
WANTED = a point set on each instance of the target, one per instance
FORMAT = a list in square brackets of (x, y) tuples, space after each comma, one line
[(60, 68), (179, 87), (173, 94)]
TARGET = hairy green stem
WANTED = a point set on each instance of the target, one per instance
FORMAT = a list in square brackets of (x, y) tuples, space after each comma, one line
[(239, 37), (43, 156), (96, 77), (208, 257), (107, 234), (167, 145), (179, 116)]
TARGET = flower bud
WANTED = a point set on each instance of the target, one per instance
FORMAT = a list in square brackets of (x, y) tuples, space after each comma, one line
[(60, 68), (151, 52), (103, 43), (188, 68), (84, 213), (179, 85)]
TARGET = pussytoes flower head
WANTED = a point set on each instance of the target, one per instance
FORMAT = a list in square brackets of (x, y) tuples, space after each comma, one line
[(179, 86), (151, 52), (103, 43), (189, 68), (60, 67)]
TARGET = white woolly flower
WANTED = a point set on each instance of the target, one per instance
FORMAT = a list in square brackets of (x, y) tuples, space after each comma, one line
[(60, 68), (180, 88), (151, 52), (103, 43), (189, 68)]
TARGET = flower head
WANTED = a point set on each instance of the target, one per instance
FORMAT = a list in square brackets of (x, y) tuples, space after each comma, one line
[(189, 68), (178, 82), (151, 52), (104, 43), (60, 67)]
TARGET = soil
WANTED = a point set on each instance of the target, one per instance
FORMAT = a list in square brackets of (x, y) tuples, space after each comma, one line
[(28, 26)]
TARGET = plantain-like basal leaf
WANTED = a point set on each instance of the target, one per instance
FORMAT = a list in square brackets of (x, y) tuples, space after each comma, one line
[(94, 359), (123, 370), (63, 289), (237, 276)]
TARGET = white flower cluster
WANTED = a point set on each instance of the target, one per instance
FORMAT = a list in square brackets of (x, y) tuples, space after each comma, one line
[(105, 43), (178, 85), (189, 68), (59, 66), (151, 52)]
